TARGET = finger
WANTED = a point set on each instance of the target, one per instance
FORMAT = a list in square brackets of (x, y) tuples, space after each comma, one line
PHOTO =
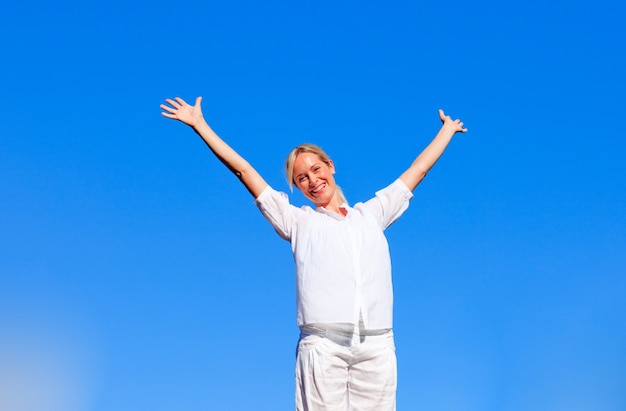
[(198, 100), (168, 115), (172, 102), (167, 108), (180, 100), (442, 116)]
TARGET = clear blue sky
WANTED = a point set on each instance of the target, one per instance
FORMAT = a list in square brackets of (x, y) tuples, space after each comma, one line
[(137, 274)]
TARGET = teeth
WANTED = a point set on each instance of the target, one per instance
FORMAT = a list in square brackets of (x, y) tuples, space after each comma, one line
[(315, 191)]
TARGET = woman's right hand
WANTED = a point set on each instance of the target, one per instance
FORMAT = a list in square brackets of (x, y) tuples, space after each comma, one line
[(179, 110)]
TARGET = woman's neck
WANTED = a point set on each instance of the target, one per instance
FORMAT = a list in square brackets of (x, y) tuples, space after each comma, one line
[(334, 205)]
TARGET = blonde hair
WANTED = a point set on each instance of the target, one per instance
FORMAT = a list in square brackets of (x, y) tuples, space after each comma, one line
[(307, 148)]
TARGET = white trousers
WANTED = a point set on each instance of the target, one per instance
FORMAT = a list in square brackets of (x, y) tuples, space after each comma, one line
[(358, 374)]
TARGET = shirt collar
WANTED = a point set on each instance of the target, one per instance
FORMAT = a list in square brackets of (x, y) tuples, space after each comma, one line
[(334, 214)]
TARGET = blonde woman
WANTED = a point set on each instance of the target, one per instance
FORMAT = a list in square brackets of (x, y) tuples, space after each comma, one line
[(346, 355)]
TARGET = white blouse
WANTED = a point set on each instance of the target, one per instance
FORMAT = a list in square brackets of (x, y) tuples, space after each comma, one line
[(343, 268)]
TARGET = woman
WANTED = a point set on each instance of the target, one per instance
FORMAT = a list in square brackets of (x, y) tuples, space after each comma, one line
[(346, 354)]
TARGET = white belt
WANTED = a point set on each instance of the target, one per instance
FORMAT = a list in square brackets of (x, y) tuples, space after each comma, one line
[(341, 334)]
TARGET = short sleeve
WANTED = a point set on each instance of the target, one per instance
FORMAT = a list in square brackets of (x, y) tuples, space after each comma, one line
[(277, 210), (389, 203)]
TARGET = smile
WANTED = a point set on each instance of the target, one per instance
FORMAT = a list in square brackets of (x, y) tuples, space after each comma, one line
[(317, 189)]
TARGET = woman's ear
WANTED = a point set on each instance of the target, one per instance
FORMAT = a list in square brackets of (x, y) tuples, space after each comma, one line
[(331, 165)]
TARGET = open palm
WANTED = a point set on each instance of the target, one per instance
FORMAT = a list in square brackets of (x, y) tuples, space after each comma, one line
[(178, 109)]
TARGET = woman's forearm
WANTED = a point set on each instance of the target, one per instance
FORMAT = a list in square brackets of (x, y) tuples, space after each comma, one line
[(238, 165), (429, 156), (179, 109)]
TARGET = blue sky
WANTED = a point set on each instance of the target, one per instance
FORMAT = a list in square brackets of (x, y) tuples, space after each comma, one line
[(137, 274)]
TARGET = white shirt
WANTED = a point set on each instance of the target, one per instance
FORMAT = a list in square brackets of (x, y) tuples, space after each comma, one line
[(343, 268)]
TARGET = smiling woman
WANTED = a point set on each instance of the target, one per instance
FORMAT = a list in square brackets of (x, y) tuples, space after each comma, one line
[(346, 354), (312, 171)]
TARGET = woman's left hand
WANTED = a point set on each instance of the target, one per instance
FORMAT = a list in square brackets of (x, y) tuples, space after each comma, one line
[(455, 125)]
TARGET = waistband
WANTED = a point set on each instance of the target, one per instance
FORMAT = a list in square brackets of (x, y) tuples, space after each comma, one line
[(342, 334)]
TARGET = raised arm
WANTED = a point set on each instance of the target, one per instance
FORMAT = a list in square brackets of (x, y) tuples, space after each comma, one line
[(178, 109), (427, 158)]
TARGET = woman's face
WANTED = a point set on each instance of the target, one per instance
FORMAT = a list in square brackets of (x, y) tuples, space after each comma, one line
[(314, 178)]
